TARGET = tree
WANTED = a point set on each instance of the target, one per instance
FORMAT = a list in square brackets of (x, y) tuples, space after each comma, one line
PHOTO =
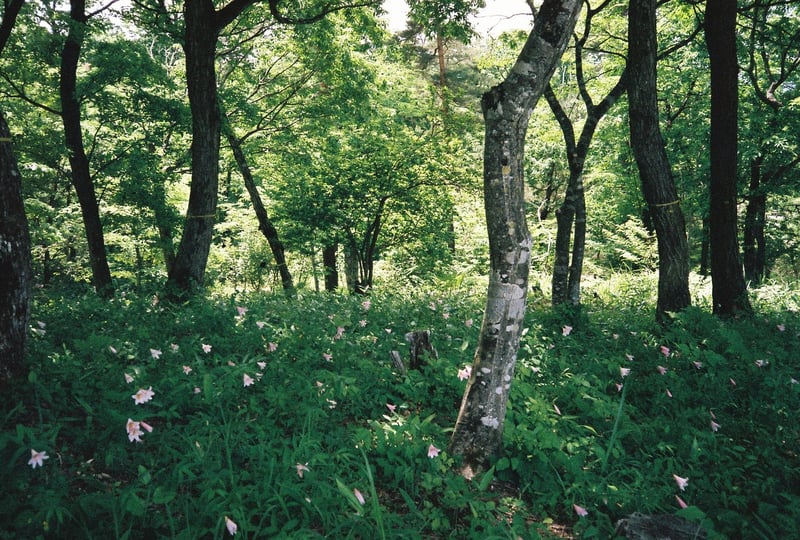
[(772, 67), (567, 275), (79, 162), (353, 186), (729, 290), (444, 20), (655, 173), (265, 224), (203, 24), (15, 256), (506, 110)]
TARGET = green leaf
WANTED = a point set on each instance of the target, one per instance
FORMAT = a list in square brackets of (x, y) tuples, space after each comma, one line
[(163, 496), (135, 505), (144, 475), (486, 479)]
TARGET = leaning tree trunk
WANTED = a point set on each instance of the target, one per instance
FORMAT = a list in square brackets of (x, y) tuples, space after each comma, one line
[(658, 186), (728, 288), (506, 110), (200, 45), (79, 163), (15, 263), (265, 224)]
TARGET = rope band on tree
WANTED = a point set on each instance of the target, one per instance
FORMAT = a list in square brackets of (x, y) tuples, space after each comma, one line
[(662, 205)]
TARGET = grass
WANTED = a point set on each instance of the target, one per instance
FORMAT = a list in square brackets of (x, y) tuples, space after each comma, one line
[(329, 442)]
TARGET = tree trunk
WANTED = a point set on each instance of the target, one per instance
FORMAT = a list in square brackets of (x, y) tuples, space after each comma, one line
[(566, 282), (201, 80), (565, 217), (578, 247), (506, 110), (15, 263), (329, 253), (165, 241), (442, 71), (754, 247), (265, 224), (79, 163), (365, 254), (658, 186), (15, 258), (728, 288), (705, 245), (351, 266)]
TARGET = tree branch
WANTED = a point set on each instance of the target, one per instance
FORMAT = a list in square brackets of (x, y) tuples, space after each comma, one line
[(278, 16)]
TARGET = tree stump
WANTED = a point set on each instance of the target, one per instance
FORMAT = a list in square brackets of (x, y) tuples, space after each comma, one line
[(420, 347), (658, 527)]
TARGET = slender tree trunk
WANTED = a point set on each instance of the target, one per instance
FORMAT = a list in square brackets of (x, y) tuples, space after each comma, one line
[(543, 211), (329, 254), (15, 263), (442, 72), (351, 266), (658, 186), (200, 44), (506, 110), (566, 282), (578, 247), (265, 224), (165, 241), (728, 288), (753, 246), (368, 248), (79, 163), (705, 248), (565, 217)]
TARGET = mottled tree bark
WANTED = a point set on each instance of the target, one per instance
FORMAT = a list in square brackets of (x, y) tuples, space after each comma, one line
[(658, 186), (15, 263), (15, 242), (728, 288), (79, 163), (506, 110)]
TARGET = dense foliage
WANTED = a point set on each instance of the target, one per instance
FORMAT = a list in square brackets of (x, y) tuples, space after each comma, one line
[(282, 415), (240, 410)]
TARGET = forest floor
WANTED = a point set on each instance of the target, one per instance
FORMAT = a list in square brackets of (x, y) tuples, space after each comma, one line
[(286, 418)]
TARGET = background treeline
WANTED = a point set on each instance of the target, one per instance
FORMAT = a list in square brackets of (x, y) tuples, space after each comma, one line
[(358, 159)]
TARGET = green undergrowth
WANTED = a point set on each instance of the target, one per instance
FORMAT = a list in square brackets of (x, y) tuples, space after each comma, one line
[(288, 418)]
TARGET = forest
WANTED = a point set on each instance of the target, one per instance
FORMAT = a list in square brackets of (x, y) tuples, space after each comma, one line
[(269, 269)]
